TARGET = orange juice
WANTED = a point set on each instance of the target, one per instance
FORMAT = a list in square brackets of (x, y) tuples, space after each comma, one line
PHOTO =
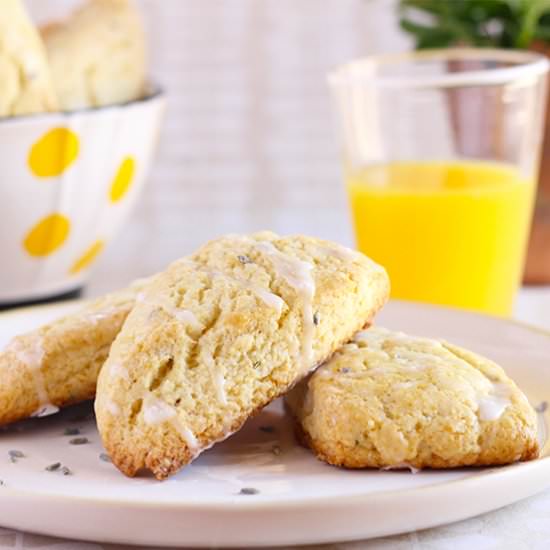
[(449, 233)]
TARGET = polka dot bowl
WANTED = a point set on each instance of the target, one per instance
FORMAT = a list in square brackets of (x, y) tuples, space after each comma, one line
[(69, 180)]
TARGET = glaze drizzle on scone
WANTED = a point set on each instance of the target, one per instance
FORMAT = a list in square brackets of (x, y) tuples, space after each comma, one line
[(58, 364), (32, 356), (191, 384), (298, 274), (389, 400)]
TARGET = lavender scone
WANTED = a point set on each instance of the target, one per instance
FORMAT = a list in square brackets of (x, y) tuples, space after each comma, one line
[(219, 335), (58, 364), (389, 400)]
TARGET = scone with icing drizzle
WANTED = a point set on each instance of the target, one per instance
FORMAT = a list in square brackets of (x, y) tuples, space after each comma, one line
[(388, 400), (218, 336), (27, 85), (58, 364)]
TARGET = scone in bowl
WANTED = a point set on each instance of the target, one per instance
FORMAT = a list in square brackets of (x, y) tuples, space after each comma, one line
[(69, 180)]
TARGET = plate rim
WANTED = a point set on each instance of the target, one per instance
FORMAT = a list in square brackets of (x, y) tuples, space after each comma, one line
[(423, 305), (483, 474), (486, 474)]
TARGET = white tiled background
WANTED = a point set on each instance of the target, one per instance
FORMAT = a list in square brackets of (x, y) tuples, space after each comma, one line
[(248, 142)]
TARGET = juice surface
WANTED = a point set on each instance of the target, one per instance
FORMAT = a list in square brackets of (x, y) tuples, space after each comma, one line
[(448, 233)]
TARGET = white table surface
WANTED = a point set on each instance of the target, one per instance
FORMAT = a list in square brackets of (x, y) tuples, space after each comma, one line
[(164, 228)]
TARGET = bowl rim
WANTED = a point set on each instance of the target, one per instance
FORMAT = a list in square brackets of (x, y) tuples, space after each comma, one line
[(153, 94), (362, 71)]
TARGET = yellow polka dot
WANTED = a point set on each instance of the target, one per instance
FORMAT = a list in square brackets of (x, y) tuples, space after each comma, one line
[(47, 235), (53, 153), (123, 179), (88, 257)]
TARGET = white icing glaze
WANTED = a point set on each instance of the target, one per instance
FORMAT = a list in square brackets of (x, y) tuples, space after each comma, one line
[(298, 275), (45, 410), (188, 317), (402, 466), (225, 434), (157, 411), (341, 252), (96, 317), (183, 315), (405, 385), (188, 436), (326, 372), (118, 371), (492, 406), (270, 299), (197, 448), (217, 377), (219, 381), (32, 357), (374, 371), (102, 314), (414, 361), (194, 445), (378, 335), (112, 407), (349, 255)]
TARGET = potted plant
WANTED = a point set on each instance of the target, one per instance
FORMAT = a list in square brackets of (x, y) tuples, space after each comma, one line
[(520, 24)]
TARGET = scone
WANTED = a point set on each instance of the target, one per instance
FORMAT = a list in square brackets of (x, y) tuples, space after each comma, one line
[(58, 364), (24, 72), (218, 336), (97, 55), (388, 400)]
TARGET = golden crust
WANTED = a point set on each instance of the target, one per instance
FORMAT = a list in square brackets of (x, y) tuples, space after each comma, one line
[(57, 364), (388, 400), (219, 336), (24, 71)]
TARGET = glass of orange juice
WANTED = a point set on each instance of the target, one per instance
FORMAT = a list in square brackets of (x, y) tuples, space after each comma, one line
[(441, 151)]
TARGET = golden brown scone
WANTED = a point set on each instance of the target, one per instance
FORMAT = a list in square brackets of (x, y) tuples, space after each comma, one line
[(26, 84), (97, 55), (218, 336), (388, 400), (58, 364)]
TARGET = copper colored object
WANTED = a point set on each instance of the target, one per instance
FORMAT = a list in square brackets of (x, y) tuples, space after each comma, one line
[(537, 268)]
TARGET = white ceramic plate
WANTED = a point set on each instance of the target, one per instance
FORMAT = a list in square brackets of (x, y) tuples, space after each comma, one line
[(300, 500)]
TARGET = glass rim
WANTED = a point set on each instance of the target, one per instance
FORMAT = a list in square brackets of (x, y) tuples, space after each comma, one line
[(528, 65)]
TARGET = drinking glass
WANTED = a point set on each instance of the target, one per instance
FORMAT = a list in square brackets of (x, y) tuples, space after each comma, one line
[(441, 153)]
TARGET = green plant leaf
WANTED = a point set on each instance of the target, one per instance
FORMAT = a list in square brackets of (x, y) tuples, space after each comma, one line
[(428, 37), (533, 12), (495, 23)]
